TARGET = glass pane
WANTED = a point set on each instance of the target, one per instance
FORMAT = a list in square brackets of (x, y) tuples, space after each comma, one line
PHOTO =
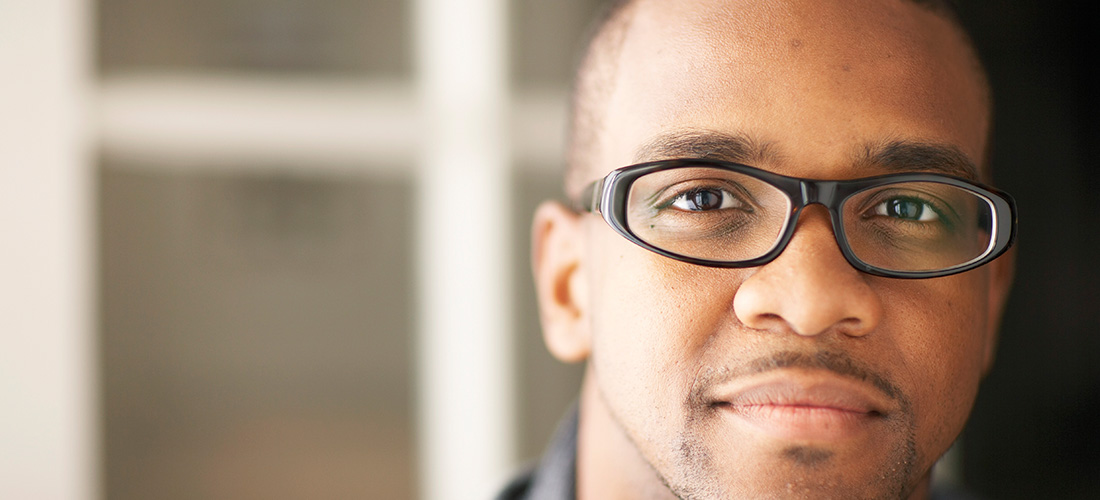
[(256, 336), (547, 38), (290, 36), (707, 213), (918, 226)]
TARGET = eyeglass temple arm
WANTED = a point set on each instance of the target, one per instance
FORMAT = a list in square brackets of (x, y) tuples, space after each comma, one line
[(590, 197)]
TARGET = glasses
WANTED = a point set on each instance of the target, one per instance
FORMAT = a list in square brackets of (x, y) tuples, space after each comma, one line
[(721, 214)]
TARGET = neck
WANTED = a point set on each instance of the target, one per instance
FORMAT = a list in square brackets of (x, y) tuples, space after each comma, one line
[(609, 465)]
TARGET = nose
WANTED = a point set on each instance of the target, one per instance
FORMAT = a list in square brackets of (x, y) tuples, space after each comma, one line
[(810, 288)]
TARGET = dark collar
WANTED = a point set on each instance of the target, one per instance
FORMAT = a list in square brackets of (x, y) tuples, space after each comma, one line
[(555, 477)]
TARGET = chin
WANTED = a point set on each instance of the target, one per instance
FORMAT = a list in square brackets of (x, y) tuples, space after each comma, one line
[(742, 467), (784, 482)]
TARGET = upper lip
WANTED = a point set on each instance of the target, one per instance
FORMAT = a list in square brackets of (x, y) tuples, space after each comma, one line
[(804, 388)]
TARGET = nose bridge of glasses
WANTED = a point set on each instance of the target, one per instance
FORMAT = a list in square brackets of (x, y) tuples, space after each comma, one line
[(823, 192)]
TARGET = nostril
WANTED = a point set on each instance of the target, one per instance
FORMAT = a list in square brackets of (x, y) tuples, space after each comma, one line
[(763, 321)]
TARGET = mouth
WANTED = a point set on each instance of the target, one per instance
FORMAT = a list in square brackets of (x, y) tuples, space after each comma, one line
[(805, 406)]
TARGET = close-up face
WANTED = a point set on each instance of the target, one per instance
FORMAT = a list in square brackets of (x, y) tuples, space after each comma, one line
[(802, 376)]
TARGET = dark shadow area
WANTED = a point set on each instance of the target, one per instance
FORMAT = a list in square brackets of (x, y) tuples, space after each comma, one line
[(1034, 432)]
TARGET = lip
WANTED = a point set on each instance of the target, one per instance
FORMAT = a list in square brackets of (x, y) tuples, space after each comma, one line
[(805, 406)]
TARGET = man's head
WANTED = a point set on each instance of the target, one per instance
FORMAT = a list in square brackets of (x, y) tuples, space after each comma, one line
[(802, 376)]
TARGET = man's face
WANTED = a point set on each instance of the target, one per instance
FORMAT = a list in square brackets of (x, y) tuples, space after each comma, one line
[(801, 376)]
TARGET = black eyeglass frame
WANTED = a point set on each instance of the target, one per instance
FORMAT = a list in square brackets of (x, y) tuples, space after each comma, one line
[(612, 191)]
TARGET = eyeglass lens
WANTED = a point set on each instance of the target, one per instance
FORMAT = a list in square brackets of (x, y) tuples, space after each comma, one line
[(720, 215)]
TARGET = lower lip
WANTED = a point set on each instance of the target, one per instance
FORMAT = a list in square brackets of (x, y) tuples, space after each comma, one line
[(804, 423)]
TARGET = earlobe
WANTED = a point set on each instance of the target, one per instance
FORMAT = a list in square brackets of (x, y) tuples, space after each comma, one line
[(1001, 274), (557, 262)]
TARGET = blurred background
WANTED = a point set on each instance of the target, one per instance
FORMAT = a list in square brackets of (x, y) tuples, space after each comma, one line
[(278, 248)]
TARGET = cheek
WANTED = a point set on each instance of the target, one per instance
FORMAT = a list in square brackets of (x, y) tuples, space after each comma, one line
[(652, 319), (939, 331)]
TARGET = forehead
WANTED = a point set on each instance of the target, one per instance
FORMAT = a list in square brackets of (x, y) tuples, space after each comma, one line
[(817, 82)]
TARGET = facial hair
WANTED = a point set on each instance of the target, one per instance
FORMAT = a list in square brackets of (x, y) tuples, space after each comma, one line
[(697, 474)]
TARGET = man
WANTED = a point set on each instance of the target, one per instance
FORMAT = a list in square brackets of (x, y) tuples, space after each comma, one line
[(751, 328)]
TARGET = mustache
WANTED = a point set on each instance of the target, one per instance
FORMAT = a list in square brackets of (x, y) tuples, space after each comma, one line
[(837, 362)]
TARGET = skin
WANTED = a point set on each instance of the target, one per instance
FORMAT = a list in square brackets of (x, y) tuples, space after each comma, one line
[(669, 344)]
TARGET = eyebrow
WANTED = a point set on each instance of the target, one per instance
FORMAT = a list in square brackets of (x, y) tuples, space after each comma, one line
[(909, 156), (890, 155), (705, 144)]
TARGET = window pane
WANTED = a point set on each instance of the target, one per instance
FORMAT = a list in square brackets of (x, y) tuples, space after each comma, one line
[(291, 36), (256, 336)]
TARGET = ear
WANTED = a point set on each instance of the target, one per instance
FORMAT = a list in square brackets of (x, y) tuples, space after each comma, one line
[(1001, 273), (557, 261)]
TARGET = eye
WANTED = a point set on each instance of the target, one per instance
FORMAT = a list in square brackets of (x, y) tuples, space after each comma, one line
[(699, 200), (912, 209)]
